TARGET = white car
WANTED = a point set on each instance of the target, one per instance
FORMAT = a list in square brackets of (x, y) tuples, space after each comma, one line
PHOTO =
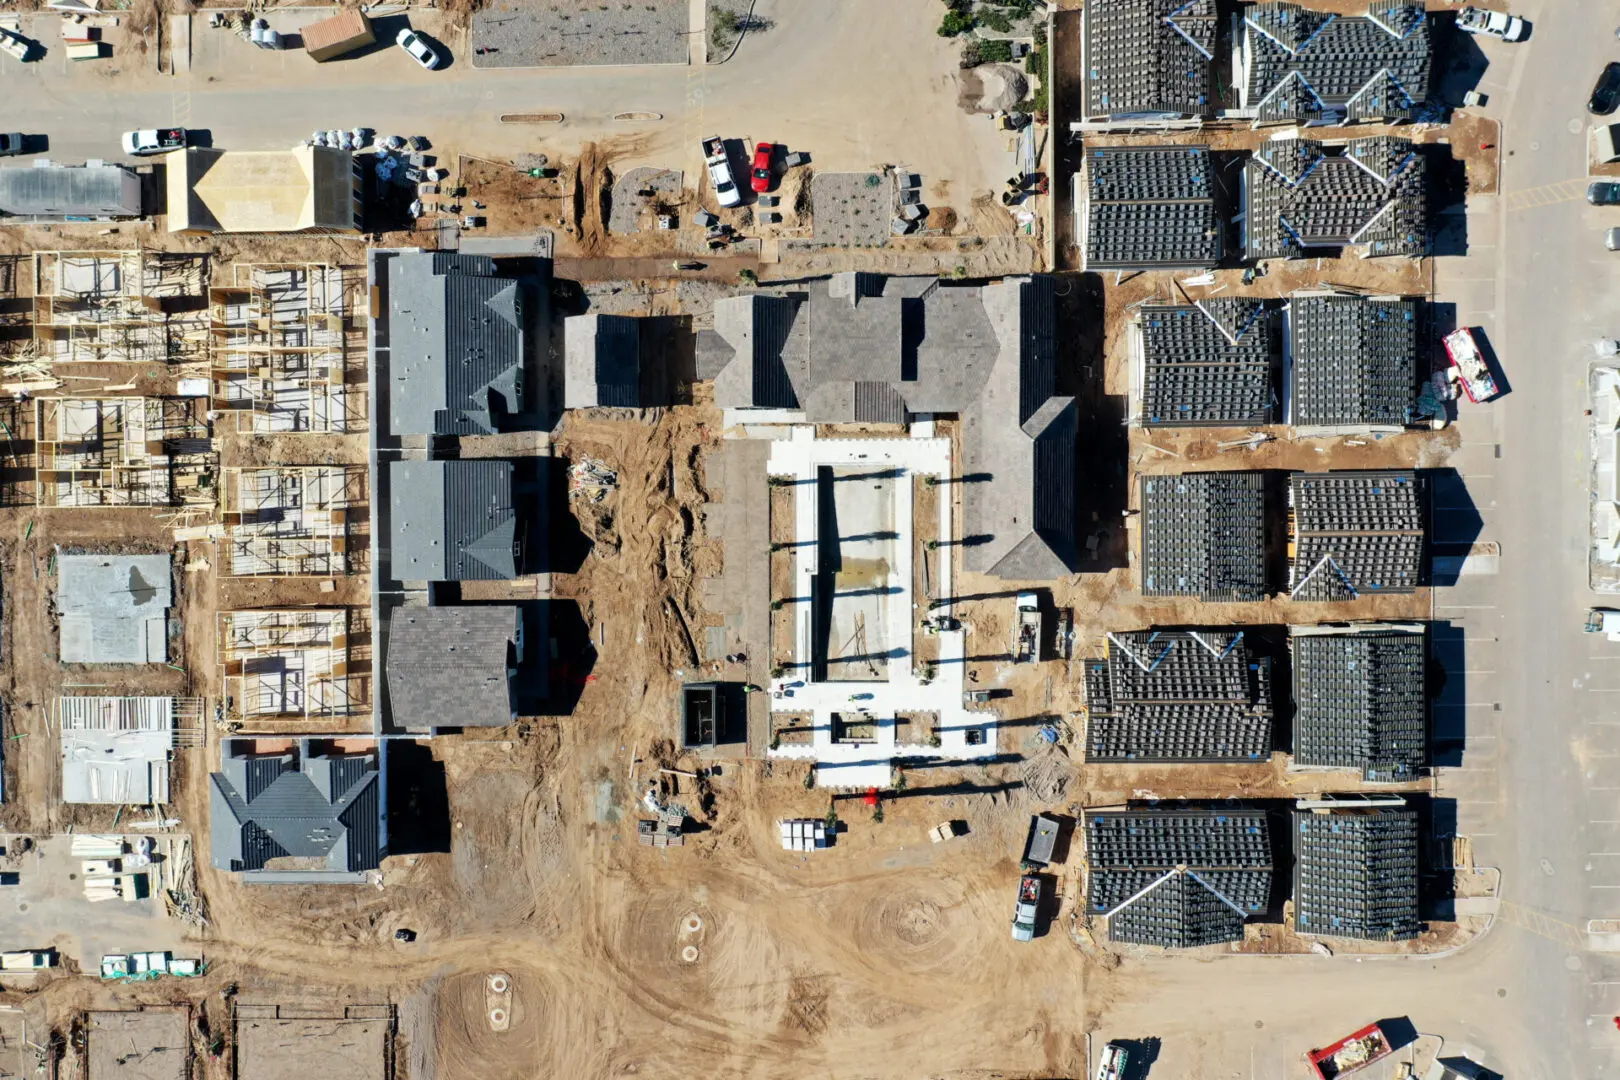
[(154, 141), (417, 46), (1498, 24)]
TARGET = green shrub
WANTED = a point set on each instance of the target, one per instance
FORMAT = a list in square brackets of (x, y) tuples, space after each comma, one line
[(1035, 62), (955, 24), (995, 52), (995, 20)]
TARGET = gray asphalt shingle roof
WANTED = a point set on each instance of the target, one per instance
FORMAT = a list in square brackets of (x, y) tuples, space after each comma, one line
[(455, 344), (266, 807), (1296, 64), (451, 666), (870, 349), (1148, 57), (452, 520), (1177, 878), (602, 362)]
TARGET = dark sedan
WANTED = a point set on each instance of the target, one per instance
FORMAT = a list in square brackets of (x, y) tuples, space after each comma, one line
[(1606, 94), (1603, 193)]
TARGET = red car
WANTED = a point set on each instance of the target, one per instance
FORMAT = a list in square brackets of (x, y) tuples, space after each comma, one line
[(762, 166)]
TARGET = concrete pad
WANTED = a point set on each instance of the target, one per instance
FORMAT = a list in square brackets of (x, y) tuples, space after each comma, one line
[(148, 1044), (114, 608), (857, 580)]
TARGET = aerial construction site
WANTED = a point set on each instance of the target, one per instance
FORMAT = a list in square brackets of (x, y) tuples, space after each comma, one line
[(896, 588)]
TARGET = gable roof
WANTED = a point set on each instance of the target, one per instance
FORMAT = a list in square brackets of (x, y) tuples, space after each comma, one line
[(456, 332), (869, 349), (1175, 695), (1177, 878), (1353, 360), (1148, 57), (100, 190), (1203, 535), (1296, 64), (1208, 363), (324, 808), (1355, 533), (1356, 874), (1299, 194), (1361, 701), (602, 362), (305, 189), (452, 520), (1150, 207), (451, 666)]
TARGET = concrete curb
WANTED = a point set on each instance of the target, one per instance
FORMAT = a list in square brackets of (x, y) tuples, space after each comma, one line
[(735, 45)]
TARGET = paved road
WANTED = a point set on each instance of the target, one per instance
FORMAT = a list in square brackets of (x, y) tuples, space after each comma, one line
[(893, 99)]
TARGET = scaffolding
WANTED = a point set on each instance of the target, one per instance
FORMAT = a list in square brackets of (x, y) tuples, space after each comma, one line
[(123, 452), (290, 665), (294, 521), (137, 307), (283, 336)]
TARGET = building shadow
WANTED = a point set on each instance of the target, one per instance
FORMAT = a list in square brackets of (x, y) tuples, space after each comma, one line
[(1400, 1031), (1140, 1054), (1463, 62), (1437, 880), (1447, 200), (1102, 442), (573, 656), (1447, 694), (418, 799), (566, 545), (1454, 524)]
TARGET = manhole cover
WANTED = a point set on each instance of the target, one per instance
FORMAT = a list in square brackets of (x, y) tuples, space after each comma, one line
[(690, 954), (1575, 125), (691, 924)]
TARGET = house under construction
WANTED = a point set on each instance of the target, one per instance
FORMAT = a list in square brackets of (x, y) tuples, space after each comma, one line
[(292, 521), (123, 452), (283, 336), (137, 307), (293, 669)]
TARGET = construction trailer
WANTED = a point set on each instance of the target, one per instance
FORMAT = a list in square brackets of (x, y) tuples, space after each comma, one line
[(342, 33), (294, 521), (124, 452), (283, 336), (294, 669)]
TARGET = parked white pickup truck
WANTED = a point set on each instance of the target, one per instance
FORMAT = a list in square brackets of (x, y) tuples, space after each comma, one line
[(1500, 24), (714, 156)]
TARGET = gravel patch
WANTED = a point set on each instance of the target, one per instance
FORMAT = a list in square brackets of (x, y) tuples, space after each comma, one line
[(636, 193), (851, 209), (571, 33)]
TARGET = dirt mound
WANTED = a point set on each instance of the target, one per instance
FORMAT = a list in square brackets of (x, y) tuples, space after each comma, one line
[(991, 88)]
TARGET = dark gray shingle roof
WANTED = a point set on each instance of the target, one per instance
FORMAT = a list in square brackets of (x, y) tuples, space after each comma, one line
[(261, 808), (1361, 702), (452, 520), (602, 362), (1356, 533), (1150, 206), (455, 344), (451, 666), (1309, 65), (1173, 695), (1356, 874), (1145, 57), (1353, 360), (1301, 194), (866, 348), (1177, 878), (1203, 534), (1209, 363)]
